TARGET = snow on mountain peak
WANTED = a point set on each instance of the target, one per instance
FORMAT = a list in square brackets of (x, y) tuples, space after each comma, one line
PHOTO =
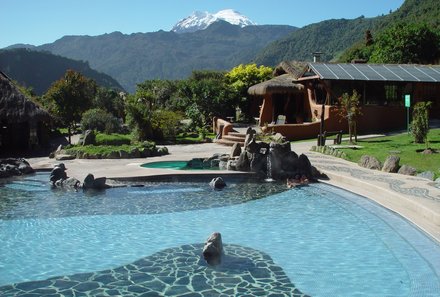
[(200, 20)]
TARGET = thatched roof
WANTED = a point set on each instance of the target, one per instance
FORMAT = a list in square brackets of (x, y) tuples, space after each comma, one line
[(294, 68), (15, 107), (282, 84)]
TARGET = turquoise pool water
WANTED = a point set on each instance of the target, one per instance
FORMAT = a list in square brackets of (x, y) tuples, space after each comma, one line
[(327, 241), (177, 165)]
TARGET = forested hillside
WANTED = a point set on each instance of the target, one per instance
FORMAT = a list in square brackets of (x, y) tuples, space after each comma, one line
[(409, 35), (134, 58), (40, 69), (333, 37)]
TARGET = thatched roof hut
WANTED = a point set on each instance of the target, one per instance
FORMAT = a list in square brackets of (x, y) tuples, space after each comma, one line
[(283, 84), (22, 122), (15, 107), (295, 68)]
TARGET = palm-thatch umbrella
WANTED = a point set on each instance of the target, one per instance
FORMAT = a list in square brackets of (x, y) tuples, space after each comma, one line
[(282, 84), (15, 107)]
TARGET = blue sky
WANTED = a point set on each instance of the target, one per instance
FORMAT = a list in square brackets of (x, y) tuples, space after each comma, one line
[(43, 21)]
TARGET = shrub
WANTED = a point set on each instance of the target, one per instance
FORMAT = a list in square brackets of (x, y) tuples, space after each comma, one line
[(100, 120), (165, 124), (420, 121)]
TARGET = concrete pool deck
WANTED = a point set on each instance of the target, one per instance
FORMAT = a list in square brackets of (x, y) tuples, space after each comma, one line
[(414, 198)]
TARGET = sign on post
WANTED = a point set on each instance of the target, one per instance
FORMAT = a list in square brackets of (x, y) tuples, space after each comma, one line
[(407, 105), (407, 100)]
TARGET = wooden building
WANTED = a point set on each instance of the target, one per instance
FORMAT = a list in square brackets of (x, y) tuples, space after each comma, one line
[(23, 124), (316, 87)]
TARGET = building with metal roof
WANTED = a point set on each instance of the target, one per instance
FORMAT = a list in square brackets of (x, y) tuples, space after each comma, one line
[(382, 88), (376, 72)]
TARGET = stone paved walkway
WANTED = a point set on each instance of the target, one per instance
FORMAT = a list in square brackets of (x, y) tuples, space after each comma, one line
[(414, 198)]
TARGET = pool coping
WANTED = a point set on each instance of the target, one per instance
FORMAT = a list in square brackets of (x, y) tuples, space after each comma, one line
[(423, 213)]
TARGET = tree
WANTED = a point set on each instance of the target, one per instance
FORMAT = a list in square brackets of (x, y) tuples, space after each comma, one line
[(420, 121), (100, 120), (368, 38), (350, 110), (139, 116), (242, 77), (161, 92), (69, 97), (204, 95), (109, 100), (405, 44)]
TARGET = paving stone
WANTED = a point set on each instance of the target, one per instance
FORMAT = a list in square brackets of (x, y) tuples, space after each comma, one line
[(243, 271)]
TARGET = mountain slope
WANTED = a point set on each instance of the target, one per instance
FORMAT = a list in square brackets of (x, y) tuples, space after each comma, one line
[(329, 37), (40, 69), (167, 55), (414, 11)]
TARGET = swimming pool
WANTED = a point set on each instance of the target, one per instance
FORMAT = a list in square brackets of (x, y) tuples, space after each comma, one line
[(316, 240)]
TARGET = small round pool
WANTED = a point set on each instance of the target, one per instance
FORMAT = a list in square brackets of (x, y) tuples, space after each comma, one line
[(178, 165)]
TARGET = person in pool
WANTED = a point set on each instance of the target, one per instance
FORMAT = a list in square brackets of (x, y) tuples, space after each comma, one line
[(58, 173)]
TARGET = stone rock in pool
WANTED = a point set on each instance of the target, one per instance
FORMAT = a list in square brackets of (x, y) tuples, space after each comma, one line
[(217, 183), (91, 183), (213, 249)]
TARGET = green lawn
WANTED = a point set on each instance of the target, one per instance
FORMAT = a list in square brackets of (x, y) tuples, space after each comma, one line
[(402, 145), (192, 138)]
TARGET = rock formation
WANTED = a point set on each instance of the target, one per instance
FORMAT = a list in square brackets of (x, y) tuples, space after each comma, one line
[(217, 183), (391, 164), (90, 182), (213, 249), (12, 167)]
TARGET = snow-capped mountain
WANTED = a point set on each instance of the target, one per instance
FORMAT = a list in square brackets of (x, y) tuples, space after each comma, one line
[(200, 20)]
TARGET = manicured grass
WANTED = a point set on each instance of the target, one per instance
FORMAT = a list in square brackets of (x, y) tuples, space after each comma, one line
[(113, 139), (403, 146), (141, 149)]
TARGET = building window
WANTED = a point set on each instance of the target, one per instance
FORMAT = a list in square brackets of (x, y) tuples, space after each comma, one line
[(391, 93)]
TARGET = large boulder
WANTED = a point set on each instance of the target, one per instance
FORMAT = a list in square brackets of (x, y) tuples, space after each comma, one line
[(217, 183), (370, 162), (71, 182), (91, 183), (276, 157), (427, 175), (407, 170), (243, 163), (304, 166), (258, 163), (250, 136), (235, 150), (391, 164), (14, 166), (213, 249)]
